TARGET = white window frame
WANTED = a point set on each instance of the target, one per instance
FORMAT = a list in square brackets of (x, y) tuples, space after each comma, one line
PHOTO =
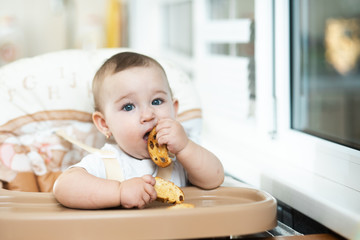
[(315, 176), (315, 147)]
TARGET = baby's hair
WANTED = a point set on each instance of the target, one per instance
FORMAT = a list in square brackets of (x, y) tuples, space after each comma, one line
[(117, 63)]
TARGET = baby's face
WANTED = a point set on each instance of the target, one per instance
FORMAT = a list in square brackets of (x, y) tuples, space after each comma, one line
[(133, 102)]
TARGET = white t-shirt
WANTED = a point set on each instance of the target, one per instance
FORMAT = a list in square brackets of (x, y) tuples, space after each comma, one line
[(131, 167)]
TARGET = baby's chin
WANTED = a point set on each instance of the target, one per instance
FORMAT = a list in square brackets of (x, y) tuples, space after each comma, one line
[(140, 156), (136, 153)]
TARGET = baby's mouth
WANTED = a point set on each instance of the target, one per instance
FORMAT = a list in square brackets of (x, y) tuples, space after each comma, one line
[(146, 136)]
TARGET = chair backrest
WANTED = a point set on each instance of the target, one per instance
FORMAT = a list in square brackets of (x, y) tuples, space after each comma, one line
[(42, 94)]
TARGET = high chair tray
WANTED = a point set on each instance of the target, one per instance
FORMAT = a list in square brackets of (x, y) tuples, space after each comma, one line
[(224, 211)]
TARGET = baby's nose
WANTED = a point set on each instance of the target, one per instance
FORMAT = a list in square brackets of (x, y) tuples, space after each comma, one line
[(148, 114)]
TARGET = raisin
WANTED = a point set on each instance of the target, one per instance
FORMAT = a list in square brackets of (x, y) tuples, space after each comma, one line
[(151, 145)]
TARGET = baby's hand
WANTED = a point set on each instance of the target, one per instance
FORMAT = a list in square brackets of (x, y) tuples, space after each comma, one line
[(171, 133), (137, 192)]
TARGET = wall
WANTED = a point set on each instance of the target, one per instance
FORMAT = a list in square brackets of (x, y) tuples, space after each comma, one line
[(50, 25)]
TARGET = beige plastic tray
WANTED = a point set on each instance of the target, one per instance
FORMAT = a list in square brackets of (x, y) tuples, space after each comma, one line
[(224, 211)]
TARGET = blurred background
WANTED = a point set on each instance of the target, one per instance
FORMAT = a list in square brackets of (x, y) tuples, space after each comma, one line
[(211, 40), (278, 81), (199, 36)]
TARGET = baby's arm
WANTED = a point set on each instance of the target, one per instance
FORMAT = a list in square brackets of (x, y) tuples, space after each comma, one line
[(203, 167), (76, 188)]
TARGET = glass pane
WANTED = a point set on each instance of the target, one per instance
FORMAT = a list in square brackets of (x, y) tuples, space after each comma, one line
[(325, 65), (232, 49), (178, 24), (230, 9)]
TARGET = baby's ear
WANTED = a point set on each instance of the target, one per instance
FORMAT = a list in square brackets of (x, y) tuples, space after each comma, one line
[(176, 106), (100, 123)]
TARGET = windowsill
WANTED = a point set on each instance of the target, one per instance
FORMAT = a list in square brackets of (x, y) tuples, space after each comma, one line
[(254, 161)]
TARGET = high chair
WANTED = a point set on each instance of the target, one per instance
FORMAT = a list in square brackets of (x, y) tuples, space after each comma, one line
[(40, 96)]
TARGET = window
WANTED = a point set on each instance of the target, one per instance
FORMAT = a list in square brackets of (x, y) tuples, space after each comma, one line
[(325, 69), (178, 27), (218, 37), (230, 10)]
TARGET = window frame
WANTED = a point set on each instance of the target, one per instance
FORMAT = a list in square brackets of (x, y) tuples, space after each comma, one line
[(306, 172), (314, 145)]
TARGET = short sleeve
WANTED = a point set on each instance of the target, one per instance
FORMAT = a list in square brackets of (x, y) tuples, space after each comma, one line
[(93, 164)]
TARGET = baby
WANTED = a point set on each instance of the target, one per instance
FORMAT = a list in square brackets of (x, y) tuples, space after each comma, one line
[(132, 96)]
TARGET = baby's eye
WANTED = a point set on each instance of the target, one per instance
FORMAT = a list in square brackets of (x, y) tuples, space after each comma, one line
[(157, 102), (128, 107)]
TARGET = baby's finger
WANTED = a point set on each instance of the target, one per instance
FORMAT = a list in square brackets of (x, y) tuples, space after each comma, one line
[(149, 179), (146, 198), (163, 139), (142, 204), (164, 124), (150, 190)]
